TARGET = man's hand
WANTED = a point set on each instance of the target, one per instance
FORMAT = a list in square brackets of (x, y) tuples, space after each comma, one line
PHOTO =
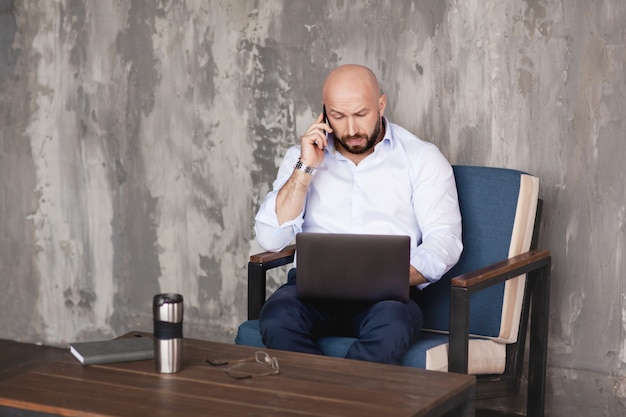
[(415, 277), (313, 143)]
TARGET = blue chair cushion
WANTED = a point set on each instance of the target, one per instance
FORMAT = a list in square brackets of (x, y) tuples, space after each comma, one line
[(248, 334)]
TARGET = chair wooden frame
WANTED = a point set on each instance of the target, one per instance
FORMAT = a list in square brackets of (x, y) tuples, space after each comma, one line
[(535, 263)]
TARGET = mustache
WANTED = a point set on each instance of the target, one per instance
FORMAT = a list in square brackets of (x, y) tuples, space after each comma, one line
[(350, 137)]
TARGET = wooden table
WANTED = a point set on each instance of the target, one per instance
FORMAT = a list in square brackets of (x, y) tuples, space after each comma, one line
[(307, 385)]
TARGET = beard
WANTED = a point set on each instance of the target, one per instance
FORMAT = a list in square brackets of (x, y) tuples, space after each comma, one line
[(372, 140)]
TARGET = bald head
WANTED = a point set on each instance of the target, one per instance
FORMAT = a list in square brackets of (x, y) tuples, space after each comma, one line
[(353, 80)]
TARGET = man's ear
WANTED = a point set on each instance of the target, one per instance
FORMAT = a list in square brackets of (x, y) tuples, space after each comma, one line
[(382, 104)]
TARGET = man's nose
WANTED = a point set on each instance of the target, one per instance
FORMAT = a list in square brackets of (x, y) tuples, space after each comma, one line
[(352, 127)]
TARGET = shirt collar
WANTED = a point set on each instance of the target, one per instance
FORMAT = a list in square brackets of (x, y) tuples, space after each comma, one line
[(388, 138)]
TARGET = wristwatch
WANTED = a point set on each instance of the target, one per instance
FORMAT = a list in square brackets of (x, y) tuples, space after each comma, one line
[(304, 168)]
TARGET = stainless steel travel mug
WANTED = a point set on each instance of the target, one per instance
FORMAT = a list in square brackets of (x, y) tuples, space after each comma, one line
[(167, 310)]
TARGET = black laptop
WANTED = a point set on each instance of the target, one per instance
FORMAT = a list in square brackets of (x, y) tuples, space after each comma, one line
[(353, 266)]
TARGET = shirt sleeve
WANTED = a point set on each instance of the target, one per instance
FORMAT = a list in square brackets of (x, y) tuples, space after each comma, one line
[(271, 235), (436, 206)]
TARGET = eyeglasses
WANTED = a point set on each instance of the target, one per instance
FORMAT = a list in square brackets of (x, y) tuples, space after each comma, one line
[(248, 367)]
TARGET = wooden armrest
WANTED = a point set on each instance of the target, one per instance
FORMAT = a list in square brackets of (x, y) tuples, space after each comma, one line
[(257, 267), (503, 270), (536, 264), (264, 257)]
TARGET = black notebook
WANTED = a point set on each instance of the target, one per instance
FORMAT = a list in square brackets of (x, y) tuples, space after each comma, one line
[(117, 350)]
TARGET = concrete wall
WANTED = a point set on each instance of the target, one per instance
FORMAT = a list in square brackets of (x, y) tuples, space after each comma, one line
[(137, 139)]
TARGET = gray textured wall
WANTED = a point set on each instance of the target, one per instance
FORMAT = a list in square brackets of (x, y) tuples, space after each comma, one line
[(137, 139)]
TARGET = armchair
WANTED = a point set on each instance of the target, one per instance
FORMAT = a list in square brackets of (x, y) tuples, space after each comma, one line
[(476, 316)]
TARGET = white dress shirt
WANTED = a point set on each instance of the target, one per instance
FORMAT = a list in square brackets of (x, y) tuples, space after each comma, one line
[(405, 187)]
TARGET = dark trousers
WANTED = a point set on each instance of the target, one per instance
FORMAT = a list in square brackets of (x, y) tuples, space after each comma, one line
[(384, 330)]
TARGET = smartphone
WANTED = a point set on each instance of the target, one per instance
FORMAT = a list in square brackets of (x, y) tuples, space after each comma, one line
[(325, 119)]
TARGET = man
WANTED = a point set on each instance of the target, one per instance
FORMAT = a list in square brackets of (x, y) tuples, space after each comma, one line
[(358, 173)]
